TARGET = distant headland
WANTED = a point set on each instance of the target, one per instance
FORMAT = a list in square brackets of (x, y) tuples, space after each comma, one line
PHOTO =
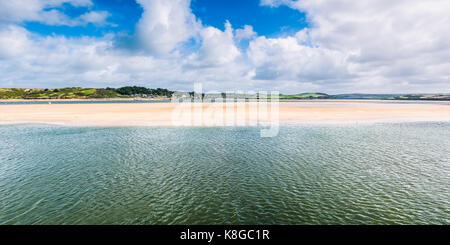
[(136, 92)]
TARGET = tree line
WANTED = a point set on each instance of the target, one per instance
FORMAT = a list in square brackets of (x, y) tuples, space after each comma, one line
[(138, 91)]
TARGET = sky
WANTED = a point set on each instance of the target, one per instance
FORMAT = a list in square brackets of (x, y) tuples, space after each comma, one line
[(291, 46)]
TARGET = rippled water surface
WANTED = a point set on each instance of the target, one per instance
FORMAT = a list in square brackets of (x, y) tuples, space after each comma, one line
[(329, 174)]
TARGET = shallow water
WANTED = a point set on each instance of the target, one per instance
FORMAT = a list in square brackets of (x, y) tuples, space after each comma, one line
[(393, 173), (294, 103)]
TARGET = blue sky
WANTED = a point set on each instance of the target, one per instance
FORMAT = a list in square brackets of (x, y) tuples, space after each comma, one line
[(291, 46), (124, 15), (265, 20)]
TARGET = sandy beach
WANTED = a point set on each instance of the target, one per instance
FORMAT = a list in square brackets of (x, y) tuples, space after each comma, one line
[(162, 114)]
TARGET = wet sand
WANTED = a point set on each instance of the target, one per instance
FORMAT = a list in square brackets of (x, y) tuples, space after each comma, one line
[(162, 114)]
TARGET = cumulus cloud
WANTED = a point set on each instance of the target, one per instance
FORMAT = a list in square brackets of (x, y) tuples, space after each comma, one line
[(43, 11), (165, 24), (217, 49), (364, 46), (393, 44), (245, 33), (286, 59), (95, 17), (13, 42), (57, 61)]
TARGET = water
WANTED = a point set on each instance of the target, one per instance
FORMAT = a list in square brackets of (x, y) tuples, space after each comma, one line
[(309, 174), (304, 103)]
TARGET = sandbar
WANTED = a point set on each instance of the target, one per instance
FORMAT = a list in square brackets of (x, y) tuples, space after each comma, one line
[(162, 114)]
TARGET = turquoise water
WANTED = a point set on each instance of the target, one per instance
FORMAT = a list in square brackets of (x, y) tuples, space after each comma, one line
[(308, 174)]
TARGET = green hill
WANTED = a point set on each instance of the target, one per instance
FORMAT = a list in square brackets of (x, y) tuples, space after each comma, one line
[(58, 93), (306, 96), (423, 97), (82, 93), (366, 96), (394, 96), (135, 91)]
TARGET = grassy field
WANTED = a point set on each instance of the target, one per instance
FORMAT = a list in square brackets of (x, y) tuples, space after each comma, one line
[(62, 93), (302, 96), (367, 96), (306, 96), (424, 97)]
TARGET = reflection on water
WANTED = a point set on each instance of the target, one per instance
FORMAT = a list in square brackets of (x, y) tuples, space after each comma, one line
[(310, 174)]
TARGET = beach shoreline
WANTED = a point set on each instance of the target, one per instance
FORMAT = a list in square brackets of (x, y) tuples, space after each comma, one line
[(80, 100), (162, 114), (281, 100)]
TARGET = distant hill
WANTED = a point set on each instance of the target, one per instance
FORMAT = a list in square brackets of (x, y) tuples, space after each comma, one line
[(82, 93), (423, 97), (142, 92), (306, 96), (347, 96), (57, 93), (442, 97), (394, 96), (367, 96)]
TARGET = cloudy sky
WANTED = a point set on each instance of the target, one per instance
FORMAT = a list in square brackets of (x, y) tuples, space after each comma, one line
[(293, 46)]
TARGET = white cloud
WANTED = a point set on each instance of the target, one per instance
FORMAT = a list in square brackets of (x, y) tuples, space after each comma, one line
[(40, 11), (165, 24), (286, 59), (13, 42), (95, 17), (217, 49), (57, 61), (363, 46), (389, 43), (245, 33)]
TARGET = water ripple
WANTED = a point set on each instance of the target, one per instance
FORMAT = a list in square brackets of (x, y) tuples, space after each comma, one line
[(328, 174)]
